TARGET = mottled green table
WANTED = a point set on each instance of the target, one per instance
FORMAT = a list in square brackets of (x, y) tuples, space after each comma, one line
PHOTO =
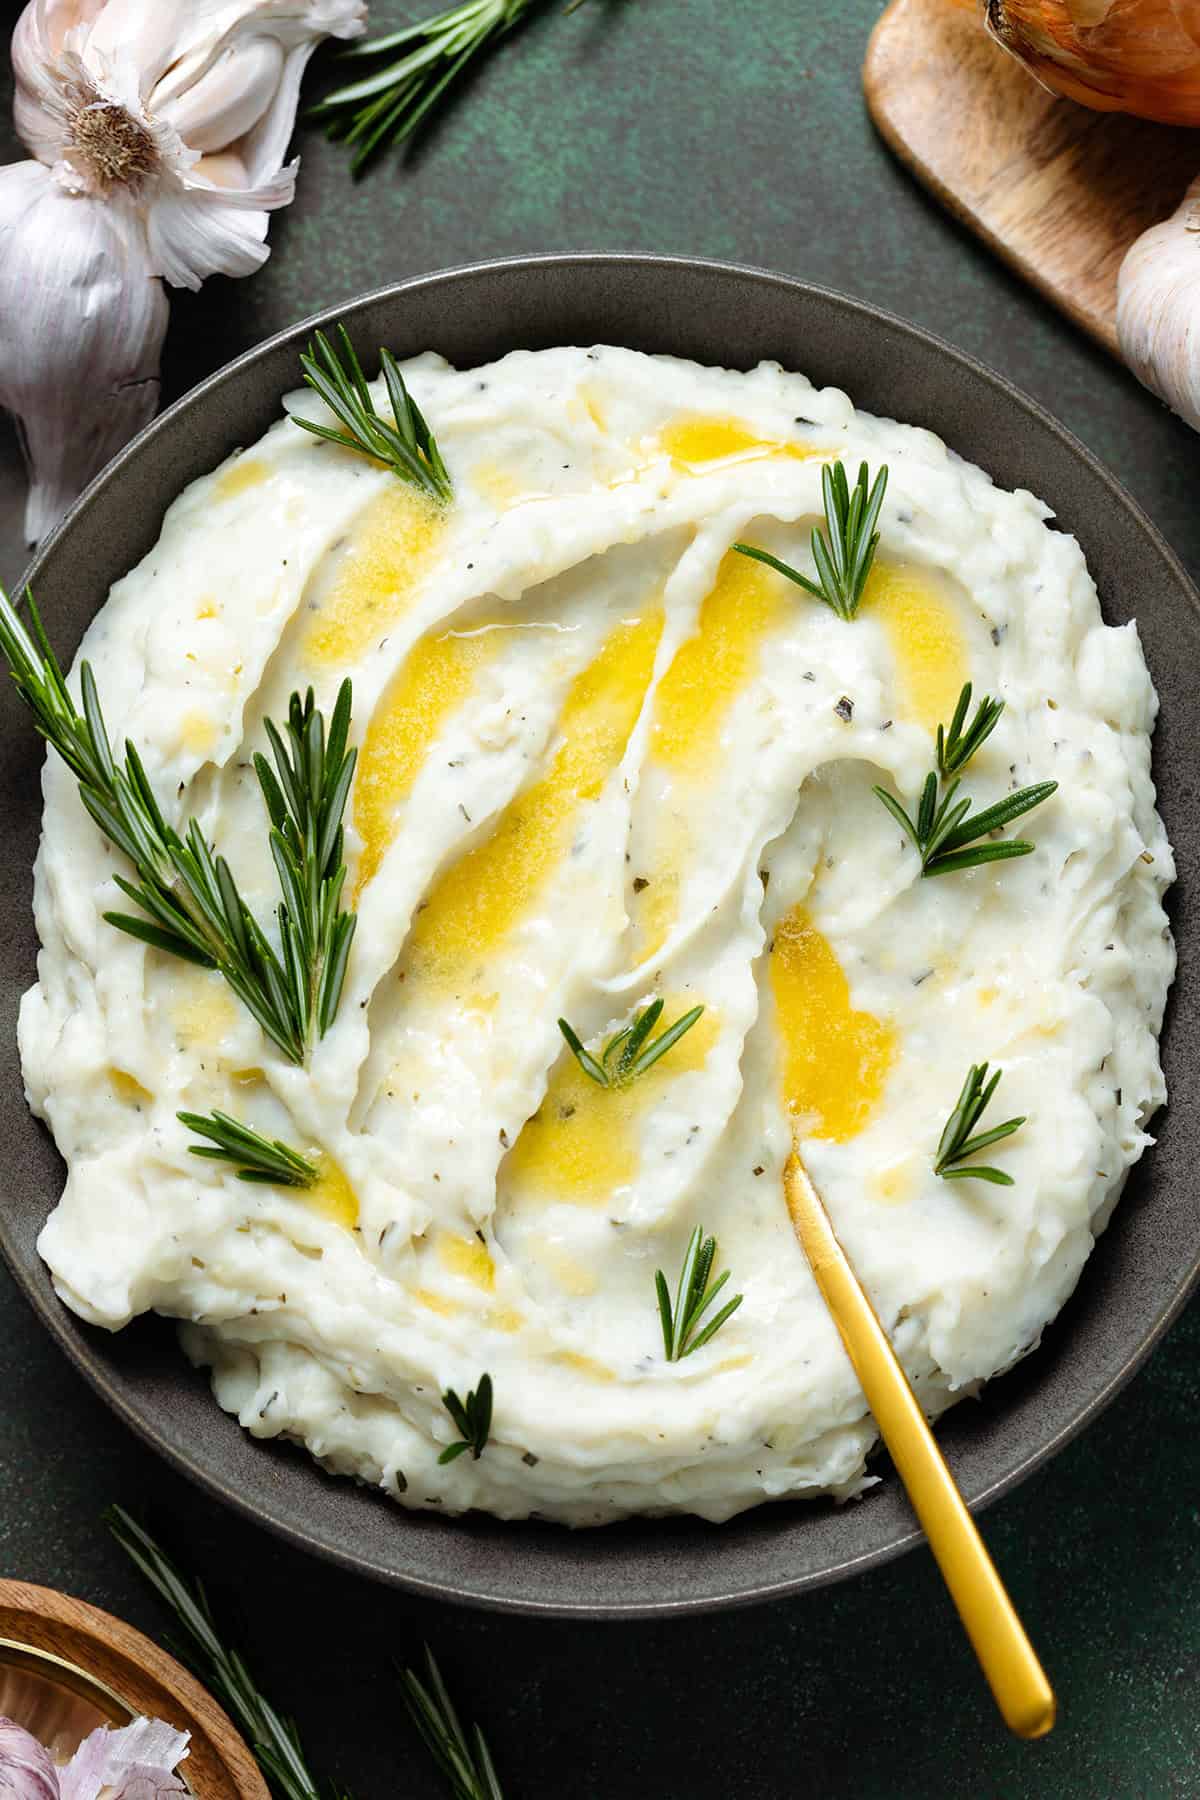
[(733, 131)]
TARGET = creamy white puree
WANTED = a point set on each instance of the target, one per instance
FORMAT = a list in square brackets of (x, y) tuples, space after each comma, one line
[(602, 760)]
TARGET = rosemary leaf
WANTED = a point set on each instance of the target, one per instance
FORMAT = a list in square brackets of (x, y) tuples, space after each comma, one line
[(845, 552), (405, 445), (472, 1418), (191, 905), (694, 1294), (258, 1158), (632, 1051), (957, 1142)]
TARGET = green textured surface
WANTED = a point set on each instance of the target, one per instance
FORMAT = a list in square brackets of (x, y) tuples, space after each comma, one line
[(735, 131)]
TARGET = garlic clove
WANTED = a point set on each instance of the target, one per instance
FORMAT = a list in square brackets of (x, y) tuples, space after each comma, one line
[(39, 112), (146, 36), (1158, 308), (137, 1762), (229, 98), (84, 321)]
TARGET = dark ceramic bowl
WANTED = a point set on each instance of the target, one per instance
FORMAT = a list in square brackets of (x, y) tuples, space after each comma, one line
[(1144, 1265)]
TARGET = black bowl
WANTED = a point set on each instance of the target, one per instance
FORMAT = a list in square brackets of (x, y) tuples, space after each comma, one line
[(1146, 1262)]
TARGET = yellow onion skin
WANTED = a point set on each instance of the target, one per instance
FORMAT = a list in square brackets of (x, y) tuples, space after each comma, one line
[(1133, 56)]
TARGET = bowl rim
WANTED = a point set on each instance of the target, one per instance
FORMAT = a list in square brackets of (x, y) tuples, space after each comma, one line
[(465, 1592)]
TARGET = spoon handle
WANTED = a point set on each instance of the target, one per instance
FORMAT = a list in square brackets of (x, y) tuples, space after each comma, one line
[(1014, 1674)]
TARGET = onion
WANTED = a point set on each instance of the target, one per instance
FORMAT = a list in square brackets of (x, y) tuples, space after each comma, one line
[(1134, 56)]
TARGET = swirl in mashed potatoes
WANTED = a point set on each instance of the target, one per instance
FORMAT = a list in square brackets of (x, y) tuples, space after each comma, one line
[(602, 759)]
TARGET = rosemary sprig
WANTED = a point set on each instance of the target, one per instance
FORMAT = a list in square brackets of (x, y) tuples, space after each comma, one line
[(472, 1416), (681, 1327), (845, 552), (275, 1742), (386, 108), (956, 1143), (464, 1759), (190, 903), (407, 446), (946, 833), (259, 1158), (956, 747), (274, 1739), (306, 804), (631, 1051)]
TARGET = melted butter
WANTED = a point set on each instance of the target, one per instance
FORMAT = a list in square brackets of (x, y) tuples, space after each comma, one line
[(434, 681), (504, 1318), (716, 663), (246, 472), (393, 544), (436, 1303), (468, 1258), (584, 1365), (894, 1183), (583, 1143), (918, 610), (246, 1078), (570, 1275), (696, 439), (595, 404), (656, 908), (204, 1013), (478, 900), (208, 609), (987, 996), (835, 1060), (197, 733), (496, 482), (331, 1193), (694, 698), (129, 1089)]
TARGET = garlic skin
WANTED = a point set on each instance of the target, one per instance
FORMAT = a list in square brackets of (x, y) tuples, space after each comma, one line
[(1158, 308), (159, 130), (1134, 56), (132, 1762)]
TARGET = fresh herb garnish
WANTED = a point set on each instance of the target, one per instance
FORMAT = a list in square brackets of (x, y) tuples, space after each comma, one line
[(407, 447), (306, 804), (386, 108), (681, 1324), (258, 1158), (191, 904), (632, 1051), (473, 1417), (845, 552), (464, 1759), (956, 747), (274, 1739), (945, 831), (956, 1142)]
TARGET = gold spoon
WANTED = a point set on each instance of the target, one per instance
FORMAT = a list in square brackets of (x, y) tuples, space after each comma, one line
[(1014, 1674)]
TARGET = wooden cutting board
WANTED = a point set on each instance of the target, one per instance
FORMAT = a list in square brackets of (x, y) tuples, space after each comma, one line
[(1058, 191)]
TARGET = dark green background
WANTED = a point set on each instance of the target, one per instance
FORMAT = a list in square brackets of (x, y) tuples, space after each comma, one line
[(730, 130)]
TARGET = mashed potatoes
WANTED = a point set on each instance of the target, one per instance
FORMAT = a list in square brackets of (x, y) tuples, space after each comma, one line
[(602, 759)]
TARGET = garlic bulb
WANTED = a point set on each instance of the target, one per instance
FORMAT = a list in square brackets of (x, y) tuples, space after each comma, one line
[(26, 1771), (1158, 308), (1134, 56), (159, 129)]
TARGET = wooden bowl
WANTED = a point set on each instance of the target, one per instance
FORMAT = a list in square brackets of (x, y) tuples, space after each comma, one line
[(76, 1667)]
